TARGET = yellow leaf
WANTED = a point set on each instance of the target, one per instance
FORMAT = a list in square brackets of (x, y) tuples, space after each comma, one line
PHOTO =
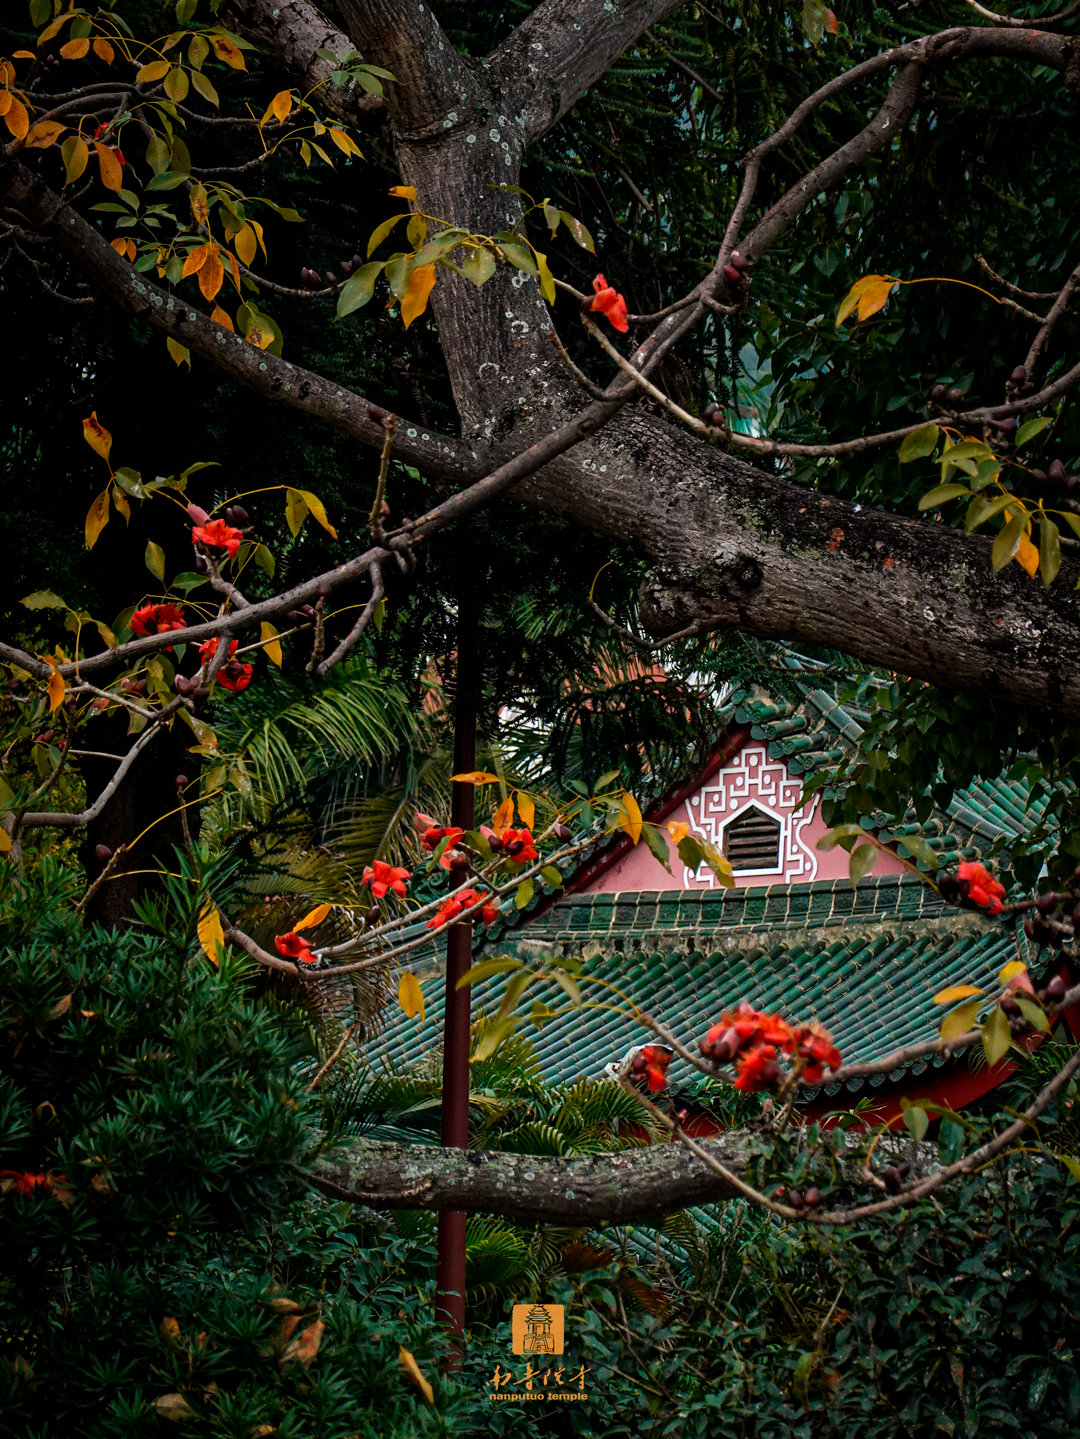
[(75, 49), (221, 317), (504, 816), (212, 273), (210, 932), (271, 644), (526, 809), (959, 1021), (406, 192), (227, 52), (197, 259), (245, 243), (104, 51), (345, 142), (630, 817), (412, 1370), (414, 301), (200, 206), (279, 107), (180, 353), (5, 841), (955, 992), (411, 996), (475, 776), (259, 235), (57, 690), (97, 436), (305, 1347), (124, 248), (873, 284), (109, 167), (1011, 970), (315, 505), (313, 917), (156, 70), (97, 518), (17, 119), (76, 155), (174, 1406), (996, 1035), (1027, 556), (678, 831), (873, 298), (170, 1329), (44, 134)]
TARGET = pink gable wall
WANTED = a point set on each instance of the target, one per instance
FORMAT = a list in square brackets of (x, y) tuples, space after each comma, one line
[(749, 777)]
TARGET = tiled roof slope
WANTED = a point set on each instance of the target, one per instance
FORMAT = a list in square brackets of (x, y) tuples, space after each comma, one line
[(864, 958)]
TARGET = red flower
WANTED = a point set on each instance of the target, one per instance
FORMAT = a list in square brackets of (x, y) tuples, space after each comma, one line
[(25, 1183), (757, 1068), (218, 534), (983, 889), (383, 877), (433, 837), (157, 619), (813, 1044), (657, 1059), (518, 846), (455, 904), (610, 303), (746, 1025), (294, 946), (232, 676)]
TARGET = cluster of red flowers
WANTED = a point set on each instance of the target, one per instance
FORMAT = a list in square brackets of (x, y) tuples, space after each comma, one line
[(653, 1060), (101, 134), (753, 1042), (232, 676), (518, 845), (610, 303), (383, 877), (432, 835), (464, 899), (982, 888), (24, 1183), (295, 946), (157, 619), (215, 533)]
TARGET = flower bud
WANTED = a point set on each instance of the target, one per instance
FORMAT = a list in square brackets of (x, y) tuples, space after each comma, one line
[(1056, 472), (639, 1064), (812, 1197), (1019, 375), (1055, 990), (1009, 426), (937, 392), (795, 1199), (182, 781), (891, 1179), (103, 853), (731, 275), (953, 396), (197, 514), (1009, 1005), (202, 565), (513, 850), (561, 832), (372, 915), (236, 515), (1046, 903)]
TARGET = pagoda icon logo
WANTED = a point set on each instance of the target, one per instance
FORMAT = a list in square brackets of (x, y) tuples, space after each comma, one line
[(538, 1328)]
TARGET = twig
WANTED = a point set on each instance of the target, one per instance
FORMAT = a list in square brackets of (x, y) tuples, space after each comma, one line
[(1040, 23), (328, 1066), (377, 595), (1057, 309), (679, 64), (1015, 289)]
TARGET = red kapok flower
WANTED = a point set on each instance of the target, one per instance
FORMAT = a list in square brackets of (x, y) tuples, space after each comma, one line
[(983, 889), (657, 1059), (232, 676), (383, 877), (156, 619), (294, 946), (757, 1068), (463, 899), (610, 303), (218, 534), (813, 1044), (24, 1183), (448, 910), (433, 837), (512, 839)]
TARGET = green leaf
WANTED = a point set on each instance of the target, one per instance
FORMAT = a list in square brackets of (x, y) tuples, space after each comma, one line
[(187, 582), (478, 266), (986, 473), (1049, 550), (800, 1379), (919, 850), (358, 288), (959, 1021), (838, 834), (657, 842), (547, 282), (919, 443), (578, 231), (514, 990), (917, 1121), (1030, 428), (264, 559), (166, 180), (940, 494), (44, 600), (862, 860), (1033, 1013), (1071, 1164), (1008, 542), (569, 985), (540, 1014), (295, 511), (518, 254), (379, 234), (40, 12), (982, 509), (605, 780), (996, 1035), (494, 1033), (524, 893), (690, 852), (552, 875), (486, 968), (155, 560)]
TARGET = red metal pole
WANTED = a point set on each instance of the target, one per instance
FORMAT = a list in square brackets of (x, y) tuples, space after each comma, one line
[(450, 1278)]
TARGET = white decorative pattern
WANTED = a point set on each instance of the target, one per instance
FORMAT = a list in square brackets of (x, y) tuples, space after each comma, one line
[(752, 779)]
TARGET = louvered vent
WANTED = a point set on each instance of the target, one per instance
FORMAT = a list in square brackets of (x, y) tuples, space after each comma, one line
[(753, 841)]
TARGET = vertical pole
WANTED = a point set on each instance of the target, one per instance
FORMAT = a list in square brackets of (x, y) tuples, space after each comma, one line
[(450, 1279)]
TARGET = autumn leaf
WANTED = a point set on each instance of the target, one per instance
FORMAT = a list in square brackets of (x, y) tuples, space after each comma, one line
[(76, 155), (109, 167), (404, 192), (221, 317), (411, 996), (97, 518), (526, 809), (317, 508), (210, 932), (1027, 556), (44, 134), (174, 1406), (313, 917), (156, 70), (678, 831), (75, 49), (306, 1347), (867, 295), (412, 1371), (958, 1021), (227, 52), (124, 248), (503, 816), (345, 142), (271, 643), (97, 436), (630, 817), (17, 119), (212, 272), (957, 991), (475, 776), (245, 242), (104, 51), (57, 690), (279, 107), (414, 301), (996, 1035)]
